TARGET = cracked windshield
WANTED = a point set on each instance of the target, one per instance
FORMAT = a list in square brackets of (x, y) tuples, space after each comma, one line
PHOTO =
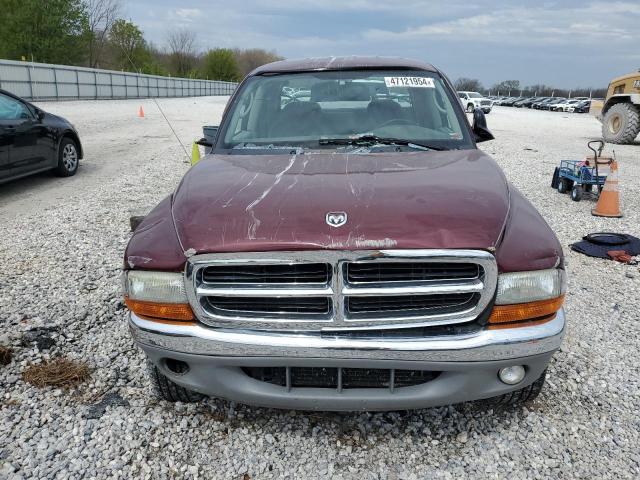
[(329, 109)]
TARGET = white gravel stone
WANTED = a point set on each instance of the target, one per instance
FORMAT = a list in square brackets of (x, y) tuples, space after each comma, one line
[(61, 252)]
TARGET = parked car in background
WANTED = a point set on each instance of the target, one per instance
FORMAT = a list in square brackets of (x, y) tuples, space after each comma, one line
[(522, 103), (552, 104), (472, 100), (32, 141), (539, 105), (581, 107), (511, 101), (530, 101), (564, 105), (346, 255)]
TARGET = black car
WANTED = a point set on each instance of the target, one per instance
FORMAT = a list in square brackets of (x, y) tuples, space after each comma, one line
[(551, 105), (512, 100), (32, 141), (529, 102), (582, 106), (539, 105), (522, 103)]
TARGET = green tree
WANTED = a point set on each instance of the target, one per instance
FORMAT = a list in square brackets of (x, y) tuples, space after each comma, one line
[(254, 57), (130, 50), (50, 31), (220, 64)]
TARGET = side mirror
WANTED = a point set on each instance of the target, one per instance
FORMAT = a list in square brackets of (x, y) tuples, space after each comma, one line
[(39, 114), (210, 133), (480, 129)]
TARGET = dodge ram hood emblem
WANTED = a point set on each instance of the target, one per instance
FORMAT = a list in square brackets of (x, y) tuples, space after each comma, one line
[(336, 219)]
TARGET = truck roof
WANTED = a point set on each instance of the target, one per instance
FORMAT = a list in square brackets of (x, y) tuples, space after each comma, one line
[(342, 63)]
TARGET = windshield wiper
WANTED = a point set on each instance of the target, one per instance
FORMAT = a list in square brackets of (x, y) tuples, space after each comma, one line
[(369, 139)]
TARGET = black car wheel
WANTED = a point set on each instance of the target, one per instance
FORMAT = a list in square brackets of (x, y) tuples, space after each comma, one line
[(68, 158), (470, 108)]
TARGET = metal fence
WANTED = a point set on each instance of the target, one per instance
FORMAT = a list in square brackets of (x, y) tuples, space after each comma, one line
[(42, 81)]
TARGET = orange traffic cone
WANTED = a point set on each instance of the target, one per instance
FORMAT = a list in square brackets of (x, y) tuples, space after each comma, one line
[(141, 112), (609, 202)]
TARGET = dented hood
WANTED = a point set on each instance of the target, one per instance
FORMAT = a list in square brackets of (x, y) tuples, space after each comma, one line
[(451, 199)]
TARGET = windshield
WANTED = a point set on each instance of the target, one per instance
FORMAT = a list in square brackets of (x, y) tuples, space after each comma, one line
[(474, 95), (305, 109)]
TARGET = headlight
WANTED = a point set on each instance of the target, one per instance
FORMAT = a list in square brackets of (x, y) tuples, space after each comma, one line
[(528, 296), (521, 287), (157, 295)]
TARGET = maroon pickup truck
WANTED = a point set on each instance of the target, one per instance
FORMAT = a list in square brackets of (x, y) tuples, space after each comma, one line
[(346, 246)]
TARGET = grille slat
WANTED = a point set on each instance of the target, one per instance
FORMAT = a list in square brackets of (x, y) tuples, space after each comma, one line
[(416, 303), (340, 378), (384, 272), (302, 273), (318, 305)]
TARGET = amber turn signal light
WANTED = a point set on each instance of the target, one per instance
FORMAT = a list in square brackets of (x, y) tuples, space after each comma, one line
[(525, 311), (168, 311)]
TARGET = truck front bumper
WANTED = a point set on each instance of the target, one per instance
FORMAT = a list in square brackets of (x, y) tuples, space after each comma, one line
[(467, 364)]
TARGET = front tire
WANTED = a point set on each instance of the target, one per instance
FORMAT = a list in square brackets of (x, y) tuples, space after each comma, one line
[(576, 193), (470, 108), (517, 398), (565, 185), (621, 123), (68, 158), (170, 391)]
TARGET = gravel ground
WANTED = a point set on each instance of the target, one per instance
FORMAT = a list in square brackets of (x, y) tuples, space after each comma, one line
[(61, 256)]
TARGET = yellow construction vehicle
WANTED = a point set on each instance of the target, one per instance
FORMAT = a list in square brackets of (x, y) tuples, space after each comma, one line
[(620, 110)]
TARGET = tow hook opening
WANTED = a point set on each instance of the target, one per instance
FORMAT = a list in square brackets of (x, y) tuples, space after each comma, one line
[(176, 366)]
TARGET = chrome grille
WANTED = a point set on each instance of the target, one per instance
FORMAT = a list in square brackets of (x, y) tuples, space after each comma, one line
[(333, 290)]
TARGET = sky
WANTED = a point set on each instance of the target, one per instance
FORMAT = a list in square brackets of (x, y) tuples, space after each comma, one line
[(570, 43)]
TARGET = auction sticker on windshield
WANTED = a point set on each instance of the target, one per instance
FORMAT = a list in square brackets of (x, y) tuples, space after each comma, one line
[(421, 82)]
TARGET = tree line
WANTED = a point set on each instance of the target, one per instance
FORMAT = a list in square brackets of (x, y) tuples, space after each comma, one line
[(93, 33), (515, 89)]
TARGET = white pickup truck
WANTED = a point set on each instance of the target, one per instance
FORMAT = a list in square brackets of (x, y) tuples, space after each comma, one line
[(472, 100)]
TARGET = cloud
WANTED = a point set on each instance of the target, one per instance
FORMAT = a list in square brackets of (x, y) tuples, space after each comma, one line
[(521, 26), (548, 41), (188, 14)]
